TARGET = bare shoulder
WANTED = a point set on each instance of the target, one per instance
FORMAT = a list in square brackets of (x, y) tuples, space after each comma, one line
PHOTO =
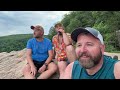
[(68, 71), (117, 70)]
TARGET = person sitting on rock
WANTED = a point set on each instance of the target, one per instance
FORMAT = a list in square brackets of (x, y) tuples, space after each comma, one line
[(39, 56), (60, 41)]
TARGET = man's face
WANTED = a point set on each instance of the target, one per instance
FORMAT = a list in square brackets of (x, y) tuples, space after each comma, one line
[(38, 33), (89, 50)]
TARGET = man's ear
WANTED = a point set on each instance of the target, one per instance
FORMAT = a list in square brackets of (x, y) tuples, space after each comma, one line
[(102, 46)]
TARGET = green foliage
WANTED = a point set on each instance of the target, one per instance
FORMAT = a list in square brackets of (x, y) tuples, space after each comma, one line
[(107, 22), (51, 33), (14, 42), (110, 48), (73, 24)]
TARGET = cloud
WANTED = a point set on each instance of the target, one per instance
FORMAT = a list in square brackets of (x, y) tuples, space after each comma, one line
[(19, 22)]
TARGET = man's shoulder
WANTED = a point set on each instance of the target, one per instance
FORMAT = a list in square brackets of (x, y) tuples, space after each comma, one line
[(117, 62), (110, 59), (31, 39), (117, 69), (47, 39)]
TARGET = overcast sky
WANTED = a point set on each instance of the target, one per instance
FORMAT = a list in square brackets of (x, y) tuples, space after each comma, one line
[(19, 22)]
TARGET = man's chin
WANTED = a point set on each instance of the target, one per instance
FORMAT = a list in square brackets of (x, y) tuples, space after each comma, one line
[(84, 60), (36, 37)]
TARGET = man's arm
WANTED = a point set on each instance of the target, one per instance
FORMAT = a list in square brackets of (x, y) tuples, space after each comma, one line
[(49, 59), (30, 61), (68, 71), (117, 70)]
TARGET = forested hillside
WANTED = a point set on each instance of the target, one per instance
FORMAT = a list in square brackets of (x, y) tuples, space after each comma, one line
[(14, 42), (107, 22)]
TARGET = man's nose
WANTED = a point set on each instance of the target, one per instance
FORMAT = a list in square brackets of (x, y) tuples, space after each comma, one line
[(83, 48)]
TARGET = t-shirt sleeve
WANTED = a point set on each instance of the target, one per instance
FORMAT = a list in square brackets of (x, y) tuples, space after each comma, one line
[(50, 46), (29, 45)]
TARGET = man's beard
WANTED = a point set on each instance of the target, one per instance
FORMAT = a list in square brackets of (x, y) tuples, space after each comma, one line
[(36, 36), (92, 61)]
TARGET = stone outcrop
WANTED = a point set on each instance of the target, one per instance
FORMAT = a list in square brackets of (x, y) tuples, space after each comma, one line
[(12, 64)]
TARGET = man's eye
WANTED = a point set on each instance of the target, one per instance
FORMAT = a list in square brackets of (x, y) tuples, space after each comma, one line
[(90, 44), (78, 45)]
